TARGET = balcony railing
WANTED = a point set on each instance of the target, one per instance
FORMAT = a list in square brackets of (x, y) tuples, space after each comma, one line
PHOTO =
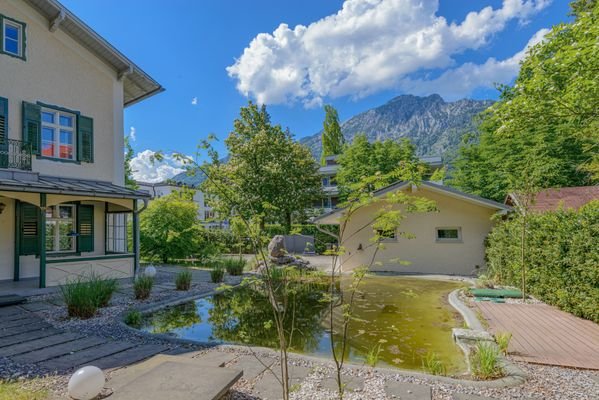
[(15, 154)]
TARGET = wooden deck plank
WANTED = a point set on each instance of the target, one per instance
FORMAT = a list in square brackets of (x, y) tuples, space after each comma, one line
[(545, 335)]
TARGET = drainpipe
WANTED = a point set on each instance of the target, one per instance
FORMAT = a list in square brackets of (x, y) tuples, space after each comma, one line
[(136, 213)]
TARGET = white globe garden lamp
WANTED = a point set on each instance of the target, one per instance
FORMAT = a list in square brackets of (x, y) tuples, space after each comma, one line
[(86, 383), (150, 271)]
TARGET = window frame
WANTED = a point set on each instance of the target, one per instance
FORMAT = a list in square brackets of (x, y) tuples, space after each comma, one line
[(116, 232), (448, 240), (56, 221), (57, 127), (22, 42)]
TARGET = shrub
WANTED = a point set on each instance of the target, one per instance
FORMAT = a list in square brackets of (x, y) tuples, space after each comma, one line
[(217, 274), (142, 287), (484, 361), (432, 364), (133, 318), (503, 341), (84, 295), (561, 258), (234, 266), (183, 280)]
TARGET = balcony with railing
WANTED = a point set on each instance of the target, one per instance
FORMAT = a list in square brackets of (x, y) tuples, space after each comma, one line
[(15, 154)]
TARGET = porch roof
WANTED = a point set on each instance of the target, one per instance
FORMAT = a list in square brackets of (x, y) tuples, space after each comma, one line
[(35, 183)]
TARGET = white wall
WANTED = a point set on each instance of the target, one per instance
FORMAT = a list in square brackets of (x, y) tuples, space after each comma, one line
[(423, 252), (7, 241)]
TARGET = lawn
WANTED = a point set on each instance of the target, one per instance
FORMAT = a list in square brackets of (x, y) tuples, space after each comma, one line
[(14, 391)]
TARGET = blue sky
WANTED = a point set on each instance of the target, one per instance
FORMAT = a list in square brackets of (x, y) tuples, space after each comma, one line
[(355, 59)]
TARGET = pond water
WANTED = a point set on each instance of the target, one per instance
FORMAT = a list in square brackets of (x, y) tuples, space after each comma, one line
[(401, 318)]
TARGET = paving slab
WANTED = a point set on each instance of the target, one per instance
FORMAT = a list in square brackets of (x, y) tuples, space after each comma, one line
[(59, 350), (86, 356), (15, 330), (37, 306), (11, 299), (407, 391), (462, 396), (36, 344), (215, 358), (16, 317), (179, 381), (129, 356), (269, 387), (19, 322), (24, 337), (352, 383), (10, 310), (251, 366)]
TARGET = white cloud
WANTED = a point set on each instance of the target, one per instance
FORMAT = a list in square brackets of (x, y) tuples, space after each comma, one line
[(367, 46), (147, 170), (132, 134), (194, 101), (461, 81)]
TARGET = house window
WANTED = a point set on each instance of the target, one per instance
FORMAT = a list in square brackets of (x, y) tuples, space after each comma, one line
[(13, 37), (58, 134), (388, 235), (453, 234), (116, 233), (60, 228), (209, 214)]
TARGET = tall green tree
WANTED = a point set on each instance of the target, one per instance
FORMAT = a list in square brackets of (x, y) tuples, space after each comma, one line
[(129, 154), (332, 137), (270, 176), (549, 115), (362, 159)]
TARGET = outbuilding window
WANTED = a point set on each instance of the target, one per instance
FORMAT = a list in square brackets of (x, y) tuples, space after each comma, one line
[(451, 234), (388, 235), (13, 37)]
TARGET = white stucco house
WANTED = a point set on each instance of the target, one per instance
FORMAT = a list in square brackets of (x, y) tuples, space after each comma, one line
[(63, 204), (450, 240), (206, 215)]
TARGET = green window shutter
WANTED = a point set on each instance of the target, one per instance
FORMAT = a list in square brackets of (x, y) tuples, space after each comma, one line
[(85, 228), (32, 126), (85, 139), (3, 119), (30, 229)]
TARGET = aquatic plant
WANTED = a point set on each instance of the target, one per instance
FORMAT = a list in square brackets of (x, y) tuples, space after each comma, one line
[(484, 361), (432, 364), (503, 341)]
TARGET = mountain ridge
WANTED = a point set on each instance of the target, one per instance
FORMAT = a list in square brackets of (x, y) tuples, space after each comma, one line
[(434, 125)]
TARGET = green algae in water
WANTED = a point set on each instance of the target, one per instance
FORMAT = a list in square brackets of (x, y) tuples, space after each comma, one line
[(406, 317)]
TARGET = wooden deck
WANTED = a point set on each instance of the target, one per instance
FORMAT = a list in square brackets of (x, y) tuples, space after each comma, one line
[(542, 334)]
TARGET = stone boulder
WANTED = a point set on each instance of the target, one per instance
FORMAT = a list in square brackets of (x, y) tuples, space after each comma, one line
[(276, 247)]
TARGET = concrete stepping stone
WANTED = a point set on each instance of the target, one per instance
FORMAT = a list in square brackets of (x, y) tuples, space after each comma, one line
[(215, 358), (269, 388), (251, 366), (37, 344), (11, 299), (407, 391), (179, 381), (15, 330), (10, 310), (129, 356), (463, 396), (352, 383), (59, 350), (24, 337), (86, 356)]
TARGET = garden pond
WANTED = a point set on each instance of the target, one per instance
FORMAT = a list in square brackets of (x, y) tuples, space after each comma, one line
[(399, 318)]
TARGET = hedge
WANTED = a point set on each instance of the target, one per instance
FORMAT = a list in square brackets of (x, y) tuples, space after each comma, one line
[(562, 257)]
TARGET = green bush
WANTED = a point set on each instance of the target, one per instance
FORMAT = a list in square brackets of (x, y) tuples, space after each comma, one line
[(142, 287), (234, 266), (84, 295), (484, 361), (561, 257), (217, 274), (133, 318), (183, 280)]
